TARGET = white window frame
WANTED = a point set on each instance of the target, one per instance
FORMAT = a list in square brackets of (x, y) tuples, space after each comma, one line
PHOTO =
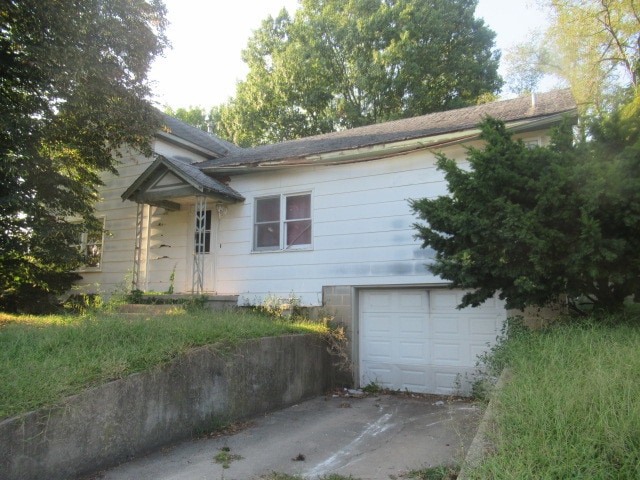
[(532, 142), (84, 244), (282, 223)]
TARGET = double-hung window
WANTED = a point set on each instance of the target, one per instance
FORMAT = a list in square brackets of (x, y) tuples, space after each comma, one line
[(90, 246), (282, 222)]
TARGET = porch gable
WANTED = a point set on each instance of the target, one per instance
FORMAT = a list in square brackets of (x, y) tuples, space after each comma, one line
[(170, 178)]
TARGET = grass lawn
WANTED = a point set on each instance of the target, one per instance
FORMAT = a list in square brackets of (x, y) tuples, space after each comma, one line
[(571, 408), (44, 359)]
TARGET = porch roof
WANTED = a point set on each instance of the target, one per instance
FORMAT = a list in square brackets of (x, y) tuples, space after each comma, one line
[(168, 178)]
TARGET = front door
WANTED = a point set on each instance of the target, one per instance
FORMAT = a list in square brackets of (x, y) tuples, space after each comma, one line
[(204, 257)]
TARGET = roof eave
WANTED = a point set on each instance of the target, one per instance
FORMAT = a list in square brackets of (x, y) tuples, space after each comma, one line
[(187, 145), (383, 150)]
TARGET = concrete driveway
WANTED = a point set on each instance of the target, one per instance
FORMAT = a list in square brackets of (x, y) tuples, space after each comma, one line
[(375, 437)]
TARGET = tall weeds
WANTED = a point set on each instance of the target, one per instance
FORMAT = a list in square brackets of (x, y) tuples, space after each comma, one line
[(571, 406)]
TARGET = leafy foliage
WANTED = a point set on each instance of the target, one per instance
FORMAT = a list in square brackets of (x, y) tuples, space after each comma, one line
[(340, 64), (594, 45), (195, 116), (72, 91), (597, 44), (535, 223), (528, 64)]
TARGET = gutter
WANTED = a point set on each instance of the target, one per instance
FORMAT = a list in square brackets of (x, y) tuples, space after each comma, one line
[(376, 152)]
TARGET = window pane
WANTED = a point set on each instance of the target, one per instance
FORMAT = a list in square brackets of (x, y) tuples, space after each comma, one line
[(268, 209), (94, 254), (298, 206), (93, 249), (299, 233), (268, 235), (90, 247), (206, 247)]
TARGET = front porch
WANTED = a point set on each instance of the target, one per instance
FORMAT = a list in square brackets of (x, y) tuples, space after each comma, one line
[(178, 210)]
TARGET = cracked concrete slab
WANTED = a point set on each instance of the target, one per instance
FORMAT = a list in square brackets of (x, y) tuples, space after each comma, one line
[(372, 438)]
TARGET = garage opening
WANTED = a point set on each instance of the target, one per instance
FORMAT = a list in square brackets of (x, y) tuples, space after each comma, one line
[(416, 340)]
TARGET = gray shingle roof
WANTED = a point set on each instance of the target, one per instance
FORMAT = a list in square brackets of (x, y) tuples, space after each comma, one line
[(189, 173), (217, 146), (546, 104), (202, 179)]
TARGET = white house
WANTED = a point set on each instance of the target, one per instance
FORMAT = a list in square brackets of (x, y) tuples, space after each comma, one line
[(325, 219)]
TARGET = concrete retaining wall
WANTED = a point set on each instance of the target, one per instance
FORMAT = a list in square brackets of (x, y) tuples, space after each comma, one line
[(122, 419)]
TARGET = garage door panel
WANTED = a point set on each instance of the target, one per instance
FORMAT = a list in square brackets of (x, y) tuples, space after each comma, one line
[(379, 350), (446, 325), (413, 379), (412, 300), (417, 340), (448, 382), (447, 301), (446, 354), (380, 301), (400, 377), (411, 325), (414, 351), (379, 325), (379, 373), (443, 300)]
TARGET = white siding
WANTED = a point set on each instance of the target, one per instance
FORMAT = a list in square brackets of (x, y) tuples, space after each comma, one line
[(168, 244), (362, 229), (120, 219)]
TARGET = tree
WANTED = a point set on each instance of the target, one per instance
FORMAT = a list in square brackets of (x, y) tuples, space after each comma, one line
[(597, 43), (73, 90), (532, 224), (195, 116), (612, 174), (340, 64), (528, 64), (593, 44)]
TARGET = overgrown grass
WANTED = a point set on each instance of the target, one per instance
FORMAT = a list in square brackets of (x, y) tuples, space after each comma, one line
[(286, 476), (441, 472), (571, 408), (44, 359)]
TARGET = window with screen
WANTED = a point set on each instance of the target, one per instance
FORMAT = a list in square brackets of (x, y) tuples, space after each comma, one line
[(283, 222)]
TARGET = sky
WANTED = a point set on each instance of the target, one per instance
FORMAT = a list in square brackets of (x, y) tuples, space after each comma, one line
[(207, 37)]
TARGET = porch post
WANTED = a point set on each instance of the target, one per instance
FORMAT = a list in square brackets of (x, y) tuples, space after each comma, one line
[(197, 281), (137, 250)]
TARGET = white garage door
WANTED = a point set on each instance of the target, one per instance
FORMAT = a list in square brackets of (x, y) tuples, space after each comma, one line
[(417, 340)]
